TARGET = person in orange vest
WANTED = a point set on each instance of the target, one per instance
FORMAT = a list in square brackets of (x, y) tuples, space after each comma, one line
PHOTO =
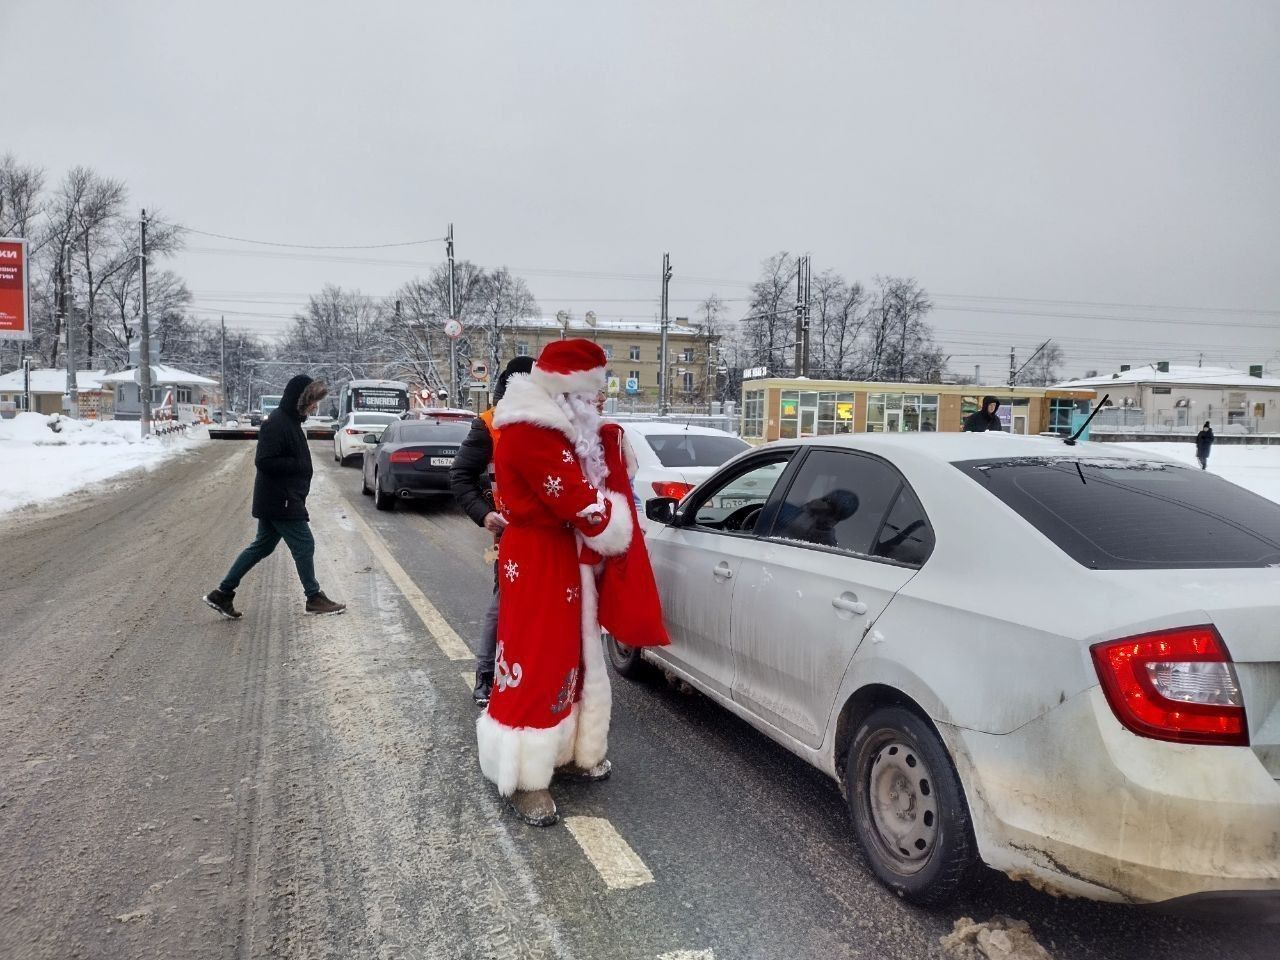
[(471, 478)]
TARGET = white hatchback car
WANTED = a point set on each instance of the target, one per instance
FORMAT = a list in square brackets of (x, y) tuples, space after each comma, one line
[(673, 458), (1063, 661), (348, 433)]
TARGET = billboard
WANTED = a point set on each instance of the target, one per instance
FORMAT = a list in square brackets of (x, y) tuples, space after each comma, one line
[(15, 297)]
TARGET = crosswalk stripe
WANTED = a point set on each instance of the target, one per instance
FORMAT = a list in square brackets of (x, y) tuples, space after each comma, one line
[(618, 865)]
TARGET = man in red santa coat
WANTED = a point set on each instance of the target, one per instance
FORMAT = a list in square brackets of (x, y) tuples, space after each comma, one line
[(570, 519)]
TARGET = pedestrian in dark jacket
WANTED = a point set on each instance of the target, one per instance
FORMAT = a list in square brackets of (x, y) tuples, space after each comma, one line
[(980, 421), (280, 493), (471, 479), (1204, 445)]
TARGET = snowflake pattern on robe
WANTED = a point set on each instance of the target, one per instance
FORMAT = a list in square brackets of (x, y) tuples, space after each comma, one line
[(566, 456), (572, 594), (512, 570), (554, 486)]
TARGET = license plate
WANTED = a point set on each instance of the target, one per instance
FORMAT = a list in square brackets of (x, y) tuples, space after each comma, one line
[(733, 503), (442, 461)]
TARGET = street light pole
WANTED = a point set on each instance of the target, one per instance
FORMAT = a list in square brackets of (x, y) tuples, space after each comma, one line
[(144, 358), (663, 367), (453, 315)]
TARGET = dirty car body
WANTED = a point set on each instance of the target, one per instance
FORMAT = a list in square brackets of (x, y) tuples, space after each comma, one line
[(1089, 634)]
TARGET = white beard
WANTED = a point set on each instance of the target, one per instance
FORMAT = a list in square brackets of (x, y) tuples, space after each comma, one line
[(580, 408)]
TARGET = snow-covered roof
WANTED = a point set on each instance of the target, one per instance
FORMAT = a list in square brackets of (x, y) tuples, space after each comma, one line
[(580, 327), (50, 380), (1180, 376), (162, 374)]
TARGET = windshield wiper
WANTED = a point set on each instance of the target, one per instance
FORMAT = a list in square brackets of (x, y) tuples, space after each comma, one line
[(1071, 440)]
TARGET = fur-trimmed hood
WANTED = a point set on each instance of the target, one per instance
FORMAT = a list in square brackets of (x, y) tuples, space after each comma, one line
[(526, 402)]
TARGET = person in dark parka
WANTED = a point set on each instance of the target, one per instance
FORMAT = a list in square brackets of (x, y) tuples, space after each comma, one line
[(280, 493), (472, 483), (985, 419), (1204, 445)]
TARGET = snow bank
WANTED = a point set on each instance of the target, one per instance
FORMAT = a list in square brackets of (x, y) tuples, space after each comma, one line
[(1255, 467), (38, 463)]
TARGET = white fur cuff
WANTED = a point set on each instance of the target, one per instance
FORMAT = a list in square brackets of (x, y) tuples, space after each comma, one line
[(615, 538)]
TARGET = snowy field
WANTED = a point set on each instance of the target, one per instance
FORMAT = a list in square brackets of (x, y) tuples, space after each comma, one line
[(1255, 468), (37, 464)]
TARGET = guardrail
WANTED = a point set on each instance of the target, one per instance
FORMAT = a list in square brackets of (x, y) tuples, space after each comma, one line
[(251, 433)]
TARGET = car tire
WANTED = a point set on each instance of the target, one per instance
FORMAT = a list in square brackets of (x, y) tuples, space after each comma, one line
[(364, 487), (628, 661), (908, 808), (381, 500), (337, 457)]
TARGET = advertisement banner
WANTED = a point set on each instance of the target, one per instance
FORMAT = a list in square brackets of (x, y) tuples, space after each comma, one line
[(15, 297)]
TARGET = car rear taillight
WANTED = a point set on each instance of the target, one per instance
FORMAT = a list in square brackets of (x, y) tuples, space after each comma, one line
[(406, 456), (672, 489), (1176, 685), (353, 433)]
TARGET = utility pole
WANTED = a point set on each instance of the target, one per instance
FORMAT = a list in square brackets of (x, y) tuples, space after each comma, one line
[(453, 315), (1013, 373), (222, 350), (73, 397), (26, 384), (664, 367), (144, 353)]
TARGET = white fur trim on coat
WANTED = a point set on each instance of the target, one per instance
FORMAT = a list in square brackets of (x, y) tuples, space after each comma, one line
[(591, 742), (523, 758), (615, 538), (527, 402), (580, 381)]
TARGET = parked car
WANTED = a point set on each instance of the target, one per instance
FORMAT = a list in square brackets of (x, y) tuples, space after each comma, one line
[(349, 434), (1058, 660), (673, 458), (410, 459)]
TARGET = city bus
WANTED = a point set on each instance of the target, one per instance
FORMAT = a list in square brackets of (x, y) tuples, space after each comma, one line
[(373, 396)]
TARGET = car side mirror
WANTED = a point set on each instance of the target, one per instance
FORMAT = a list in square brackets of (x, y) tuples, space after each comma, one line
[(370, 438), (661, 509)]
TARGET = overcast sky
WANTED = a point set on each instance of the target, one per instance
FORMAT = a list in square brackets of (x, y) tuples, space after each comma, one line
[(1123, 154)]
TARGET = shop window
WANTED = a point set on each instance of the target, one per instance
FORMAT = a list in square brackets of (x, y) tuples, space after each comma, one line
[(753, 414), (182, 395)]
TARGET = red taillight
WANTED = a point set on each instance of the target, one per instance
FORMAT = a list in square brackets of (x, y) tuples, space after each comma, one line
[(353, 433), (407, 456), (1176, 685), (672, 489)]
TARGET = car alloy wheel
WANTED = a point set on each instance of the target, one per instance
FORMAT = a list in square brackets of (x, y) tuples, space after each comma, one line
[(908, 807), (381, 500)]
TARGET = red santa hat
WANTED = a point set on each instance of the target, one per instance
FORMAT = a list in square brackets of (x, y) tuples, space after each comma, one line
[(570, 366)]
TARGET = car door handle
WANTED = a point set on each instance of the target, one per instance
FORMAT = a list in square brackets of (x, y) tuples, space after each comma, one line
[(850, 604), (721, 571)]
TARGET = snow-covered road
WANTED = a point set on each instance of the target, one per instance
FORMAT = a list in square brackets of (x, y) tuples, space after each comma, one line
[(37, 464)]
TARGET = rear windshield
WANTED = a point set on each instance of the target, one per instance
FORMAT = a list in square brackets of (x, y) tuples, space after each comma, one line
[(410, 432), (374, 419), (1136, 515), (694, 449)]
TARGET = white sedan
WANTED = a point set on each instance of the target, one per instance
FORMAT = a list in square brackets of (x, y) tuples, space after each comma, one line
[(672, 458), (1062, 661), (348, 433)]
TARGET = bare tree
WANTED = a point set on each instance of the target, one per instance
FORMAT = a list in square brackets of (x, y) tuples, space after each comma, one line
[(1042, 370), (769, 327), (838, 316), (341, 329), (20, 189), (899, 344), (507, 298)]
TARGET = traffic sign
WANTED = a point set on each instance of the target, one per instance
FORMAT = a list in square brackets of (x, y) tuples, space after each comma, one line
[(615, 385), (453, 329), (480, 371), (633, 385)]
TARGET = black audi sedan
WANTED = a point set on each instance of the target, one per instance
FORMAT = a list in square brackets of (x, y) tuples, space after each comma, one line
[(411, 459)]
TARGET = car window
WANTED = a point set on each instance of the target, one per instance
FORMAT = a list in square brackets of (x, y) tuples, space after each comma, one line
[(838, 500), (373, 419), (410, 432), (905, 535), (694, 449), (392, 433), (1119, 514), (734, 503)]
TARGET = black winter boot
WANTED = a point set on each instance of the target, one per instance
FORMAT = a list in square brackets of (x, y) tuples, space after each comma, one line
[(484, 687), (222, 603)]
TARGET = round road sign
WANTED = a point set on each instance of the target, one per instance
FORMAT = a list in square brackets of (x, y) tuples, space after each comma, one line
[(453, 329)]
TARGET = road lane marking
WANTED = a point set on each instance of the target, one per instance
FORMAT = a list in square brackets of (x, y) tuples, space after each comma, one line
[(618, 865), (446, 639), (469, 679), (689, 955)]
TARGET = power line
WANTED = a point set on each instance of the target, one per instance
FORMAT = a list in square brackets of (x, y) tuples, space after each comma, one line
[(308, 246)]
